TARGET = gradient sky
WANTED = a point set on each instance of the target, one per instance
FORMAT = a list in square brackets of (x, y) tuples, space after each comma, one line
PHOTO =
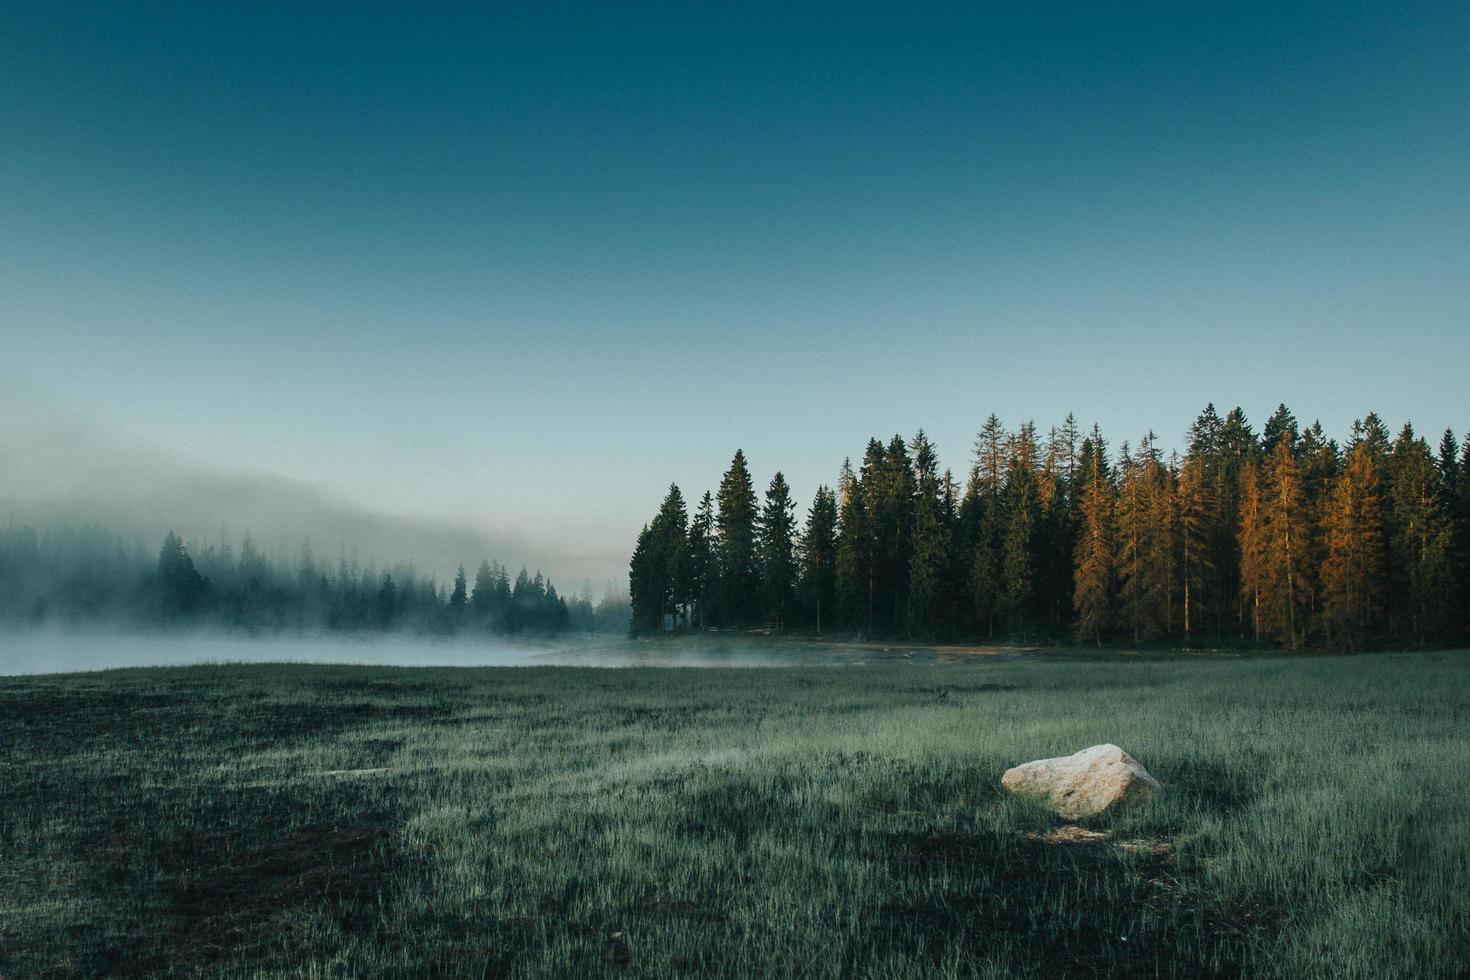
[(525, 266)]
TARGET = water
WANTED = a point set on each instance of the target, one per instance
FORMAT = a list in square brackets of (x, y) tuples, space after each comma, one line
[(59, 651)]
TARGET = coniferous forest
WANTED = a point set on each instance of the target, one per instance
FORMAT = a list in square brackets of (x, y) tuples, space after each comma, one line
[(1282, 537), (76, 576)]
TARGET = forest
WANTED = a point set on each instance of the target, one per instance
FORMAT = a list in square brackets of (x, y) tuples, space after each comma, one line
[(1282, 538), (81, 575)]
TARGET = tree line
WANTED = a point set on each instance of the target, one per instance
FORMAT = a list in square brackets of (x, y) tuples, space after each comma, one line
[(1282, 537), (89, 574)]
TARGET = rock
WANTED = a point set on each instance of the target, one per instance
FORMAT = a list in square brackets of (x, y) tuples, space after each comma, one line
[(1090, 782)]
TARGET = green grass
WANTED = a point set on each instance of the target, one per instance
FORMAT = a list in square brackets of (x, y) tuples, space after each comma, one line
[(841, 822)]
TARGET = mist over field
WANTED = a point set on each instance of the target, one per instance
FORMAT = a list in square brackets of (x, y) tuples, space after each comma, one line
[(64, 470)]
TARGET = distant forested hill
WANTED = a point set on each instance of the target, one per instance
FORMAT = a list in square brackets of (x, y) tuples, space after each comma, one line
[(82, 575)]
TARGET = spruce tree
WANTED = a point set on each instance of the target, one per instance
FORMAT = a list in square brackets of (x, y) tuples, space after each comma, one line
[(1419, 540), (775, 551), (1196, 509), (982, 523), (700, 562), (1352, 573), (481, 600), (1321, 462), (854, 536), (459, 598), (1284, 596), (1462, 536), (1093, 577), (735, 557), (1252, 547), (388, 606), (818, 556), (1281, 425), (670, 530), (645, 593), (894, 526), (929, 555), (1022, 509), (183, 587), (1236, 448)]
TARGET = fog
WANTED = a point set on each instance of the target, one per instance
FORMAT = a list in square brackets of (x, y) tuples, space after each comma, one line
[(58, 469), (54, 650)]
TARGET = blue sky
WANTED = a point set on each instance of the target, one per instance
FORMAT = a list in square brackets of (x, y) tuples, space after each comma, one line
[(525, 266)]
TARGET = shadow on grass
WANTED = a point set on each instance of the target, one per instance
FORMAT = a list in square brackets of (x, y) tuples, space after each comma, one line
[(1065, 909)]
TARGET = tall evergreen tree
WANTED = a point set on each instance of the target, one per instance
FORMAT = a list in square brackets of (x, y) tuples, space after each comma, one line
[(1281, 425), (1022, 510), (459, 598), (1236, 448), (929, 555), (1419, 539), (670, 529), (854, 550), (735, 556), (1145, 556), (1093, 578), (775, 551), (818, 556), (388, 605), (1196, 509), (1284, 596), (1352, 574), (481, 601), (645, 592), (702, 585), (1252, 546), (894, 520), (183, 587), (982, 523)]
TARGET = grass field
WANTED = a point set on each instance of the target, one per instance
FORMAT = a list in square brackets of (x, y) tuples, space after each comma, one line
[(844, 822)]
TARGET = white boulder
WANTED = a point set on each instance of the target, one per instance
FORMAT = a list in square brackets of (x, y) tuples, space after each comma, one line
[(1084, 784)]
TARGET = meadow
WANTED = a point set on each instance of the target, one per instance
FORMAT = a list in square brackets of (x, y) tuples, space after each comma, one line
[(318, 821)]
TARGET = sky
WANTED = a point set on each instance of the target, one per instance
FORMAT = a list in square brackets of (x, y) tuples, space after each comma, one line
[(523, 266)]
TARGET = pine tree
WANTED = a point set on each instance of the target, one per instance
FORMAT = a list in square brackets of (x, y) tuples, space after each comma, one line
[(893, 524), (818, 555), (183, 587), (1163, 546), (775, 551), (700, 562), (645, 595), (480, 599), (1057, 530), (459, 598), (670, 529), (1252, 545), (1196, 508), (1022, 509), (1281, 424), (982, 523), (388, 606), (1093, 577), (1321, 462), (1462, 535), (735, 557), (1284, 596), (1236, 448), (854, 550), (1352, 574), (1145, 542), (992, 458), (1419, 539), (984, 576), (930, 551)]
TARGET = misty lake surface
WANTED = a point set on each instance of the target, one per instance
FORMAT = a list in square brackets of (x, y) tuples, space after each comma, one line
[(61, 651)]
